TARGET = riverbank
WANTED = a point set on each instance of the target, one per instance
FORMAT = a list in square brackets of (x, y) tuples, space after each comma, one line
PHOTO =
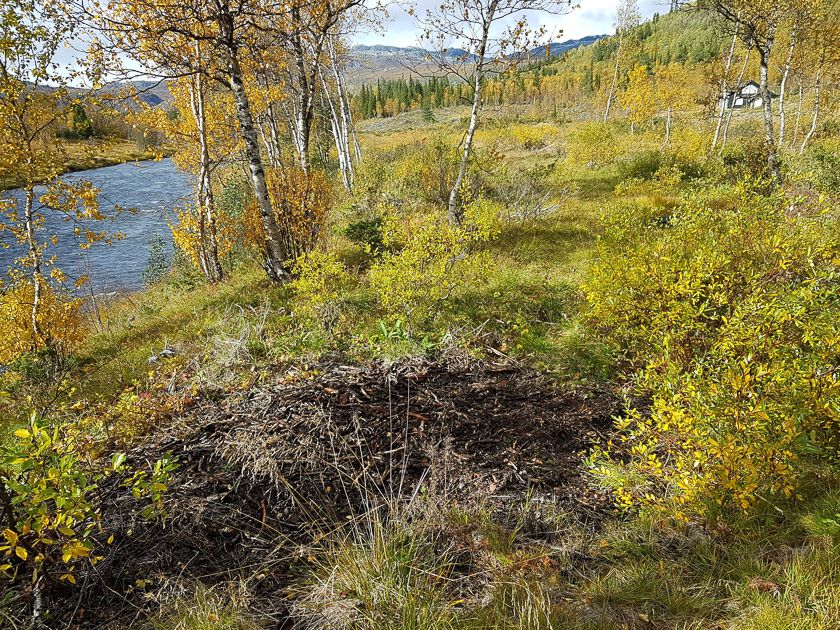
[(82, 155)]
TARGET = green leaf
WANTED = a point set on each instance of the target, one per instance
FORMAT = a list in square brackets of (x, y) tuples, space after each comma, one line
[(117, 460)]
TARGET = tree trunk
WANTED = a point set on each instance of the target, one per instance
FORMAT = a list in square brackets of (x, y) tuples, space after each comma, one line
[(340, 139), (455, 211), (737, 86), (667, 129), (35, 261), (724, 89), (769, 132), (796, 126), (207, 212), (276, 252), (344, 107), (783, 86), (611, 94), (815, 117), (274, 135), (307, 88)]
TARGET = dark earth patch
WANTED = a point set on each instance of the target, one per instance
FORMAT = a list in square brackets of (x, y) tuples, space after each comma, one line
[(264, 472)]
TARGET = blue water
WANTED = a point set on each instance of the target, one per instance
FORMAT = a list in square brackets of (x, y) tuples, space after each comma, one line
[(152, 189)]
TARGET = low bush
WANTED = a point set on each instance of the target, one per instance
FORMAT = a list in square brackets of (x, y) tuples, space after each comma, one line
[(824, 162), (642, 165), (59, 319), (429, 260), (731, 317), (367, 233), (593, 144), (745, 159), (320, 280), (51, 490)]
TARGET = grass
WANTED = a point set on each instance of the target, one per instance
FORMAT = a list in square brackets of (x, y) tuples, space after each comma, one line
[(476, 569), (468, 567)]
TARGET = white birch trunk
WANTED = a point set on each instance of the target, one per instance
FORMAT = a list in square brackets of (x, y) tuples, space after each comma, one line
[(724, 89), (276, 252), (611, 94), (783, 86), (817, 96)]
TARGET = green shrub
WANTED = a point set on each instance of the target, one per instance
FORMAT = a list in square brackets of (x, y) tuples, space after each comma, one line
[(593, 144), (319, 281), (50, 493), (825, 165), (368, 233), (428, 260), (642, 165), (732, 317), (745, 160)]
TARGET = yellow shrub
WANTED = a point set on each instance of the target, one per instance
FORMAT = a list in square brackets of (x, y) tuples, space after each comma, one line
[(665, 183), (483, 219), (732, 317), (416, 281), (319, 281), (300, 203), (186, 234), (593, 144), (425, 171), (689, 145), (530, 137), (59, 320)]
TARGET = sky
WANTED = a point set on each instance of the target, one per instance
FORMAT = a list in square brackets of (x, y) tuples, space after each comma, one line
[(592, 17)]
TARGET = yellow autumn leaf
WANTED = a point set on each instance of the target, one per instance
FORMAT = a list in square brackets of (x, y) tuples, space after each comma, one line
[(22, 433), (20, 552)]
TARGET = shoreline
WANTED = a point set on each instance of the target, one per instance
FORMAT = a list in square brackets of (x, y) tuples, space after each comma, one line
[(111, 152)]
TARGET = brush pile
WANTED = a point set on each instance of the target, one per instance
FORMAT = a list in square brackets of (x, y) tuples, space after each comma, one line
[(264, 472)]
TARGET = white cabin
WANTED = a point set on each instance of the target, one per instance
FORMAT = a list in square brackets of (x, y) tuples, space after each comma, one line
[(748, 96)]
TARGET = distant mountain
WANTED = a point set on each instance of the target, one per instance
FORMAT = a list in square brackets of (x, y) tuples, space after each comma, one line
[(380, 50), (154, 93), (368, 63), (556, 49)]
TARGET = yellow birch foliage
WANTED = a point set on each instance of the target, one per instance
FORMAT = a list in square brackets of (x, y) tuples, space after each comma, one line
[(733, 317), (300, 203), (59, 317), (639, 98), (427, 261)]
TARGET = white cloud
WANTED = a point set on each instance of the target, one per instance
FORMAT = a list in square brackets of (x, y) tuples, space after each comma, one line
[(593, 17)]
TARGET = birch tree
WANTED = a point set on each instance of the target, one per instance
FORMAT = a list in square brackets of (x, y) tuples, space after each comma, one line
[(823, 53), (674, 92), (627, 17), (757, 23), (490, 37), (724, 89), (230, 32), (307, 39), (34, 101)]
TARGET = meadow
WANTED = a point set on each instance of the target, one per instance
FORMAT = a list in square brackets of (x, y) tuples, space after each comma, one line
[(584, 375), (535, 301)]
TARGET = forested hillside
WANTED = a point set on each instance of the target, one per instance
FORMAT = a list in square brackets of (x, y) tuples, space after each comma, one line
[(516, 343)]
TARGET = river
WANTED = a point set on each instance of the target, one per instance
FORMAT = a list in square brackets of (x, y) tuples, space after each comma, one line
[(152, 190)]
